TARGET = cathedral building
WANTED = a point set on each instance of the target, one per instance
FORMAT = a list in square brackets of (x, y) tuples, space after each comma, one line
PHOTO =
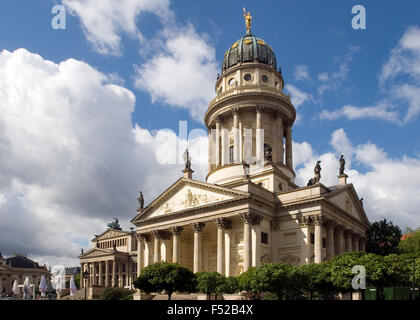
[(249, 211)]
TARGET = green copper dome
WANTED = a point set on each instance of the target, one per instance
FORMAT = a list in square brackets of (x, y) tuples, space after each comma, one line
[(249, 49)]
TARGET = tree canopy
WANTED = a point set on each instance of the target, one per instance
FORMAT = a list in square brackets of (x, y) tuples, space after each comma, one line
[(168, 277), (411, 244), (210, 282), (383, 238)]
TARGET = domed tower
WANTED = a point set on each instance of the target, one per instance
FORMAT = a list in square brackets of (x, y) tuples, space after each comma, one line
[(250, 120)]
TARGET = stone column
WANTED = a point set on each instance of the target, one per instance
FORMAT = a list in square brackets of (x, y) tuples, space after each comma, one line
[(362, 244), (94, 280), (197, 228), (101, 283), (114, 271), (221, 224), (236, 145), (147, 249), (225, 146), (217, 151), (289, 151), (259, 147), (275, 136), (82, 280), (156, 249), (319, 220), (356, 242), (120, 279), (106, 274), (176, 232), (210, 150), (256, 240), (165, 246), (139, 253), (247, 220), (349, 244), (340, 240), (127, 274), (305, 223), (227, 253), (280, 137), (330, 239)]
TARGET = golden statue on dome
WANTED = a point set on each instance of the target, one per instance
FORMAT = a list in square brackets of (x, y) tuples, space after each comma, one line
[(248, 21)]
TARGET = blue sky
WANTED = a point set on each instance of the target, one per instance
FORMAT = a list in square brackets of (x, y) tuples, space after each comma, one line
[(357, 92)]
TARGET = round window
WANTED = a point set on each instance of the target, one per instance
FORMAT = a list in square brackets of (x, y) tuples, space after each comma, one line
[(232, 81), (247, 77), (264, 78)]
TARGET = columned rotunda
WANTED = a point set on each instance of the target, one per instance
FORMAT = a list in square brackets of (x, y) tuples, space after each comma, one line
[(249, 211)]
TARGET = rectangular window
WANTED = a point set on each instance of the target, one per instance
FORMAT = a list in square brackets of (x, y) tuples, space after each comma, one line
[(324, 242), (312, 238), (264, 237)]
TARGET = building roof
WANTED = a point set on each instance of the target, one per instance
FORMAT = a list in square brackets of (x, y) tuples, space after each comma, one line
[(72, 270), (19, 261), (249, 49), (405, 236)]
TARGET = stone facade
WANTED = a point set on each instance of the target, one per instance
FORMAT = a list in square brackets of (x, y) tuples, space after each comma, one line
[(236, 220), (18, 267)]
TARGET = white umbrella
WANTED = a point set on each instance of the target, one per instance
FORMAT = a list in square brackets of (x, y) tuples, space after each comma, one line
[(27, 289), (73, 287), (43, 286), (15, 288)]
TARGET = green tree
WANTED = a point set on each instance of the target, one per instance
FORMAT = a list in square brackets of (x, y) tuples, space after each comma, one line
[(231, 285), (379, 273), (340, 270), (116, 294), (245, 278), (77, 281), (210, 282), (315, 280), (411, 244), (273, 277), (383, 238), (168, 277)]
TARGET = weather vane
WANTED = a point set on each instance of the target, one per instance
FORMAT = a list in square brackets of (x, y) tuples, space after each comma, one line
[(248, 21)]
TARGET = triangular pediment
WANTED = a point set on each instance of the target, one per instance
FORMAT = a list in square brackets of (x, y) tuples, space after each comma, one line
[(188, 194), (95, 252), (346, 198), (110, 233)]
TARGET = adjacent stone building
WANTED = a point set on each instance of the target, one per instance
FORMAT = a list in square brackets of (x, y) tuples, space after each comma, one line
[(18, 267), (249, 211)]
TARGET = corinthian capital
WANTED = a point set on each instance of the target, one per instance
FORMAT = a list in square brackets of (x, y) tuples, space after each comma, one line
[(305, 221), (198, 226), (246, 218), (319, 220), (176, 231), (222, 223)]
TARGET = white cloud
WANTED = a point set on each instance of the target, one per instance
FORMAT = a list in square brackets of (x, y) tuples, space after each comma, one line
[(298, 96), (182, 74), (390, 187), (70, 159), (301, 73), (180, 65), (332, 80), (323, 76), (342, 144), (405, 58), (3, 200), (380, 111), (105, 21), (399, 79)]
